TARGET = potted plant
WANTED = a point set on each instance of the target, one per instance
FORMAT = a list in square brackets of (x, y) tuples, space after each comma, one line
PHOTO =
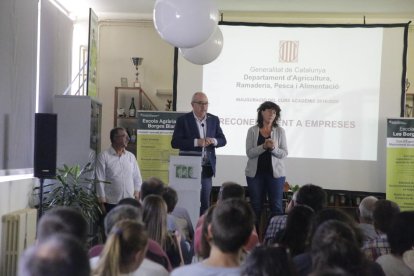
[(75, 187)]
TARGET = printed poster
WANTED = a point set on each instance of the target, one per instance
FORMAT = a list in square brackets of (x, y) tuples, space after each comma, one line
[(154, 133), (400, 162)]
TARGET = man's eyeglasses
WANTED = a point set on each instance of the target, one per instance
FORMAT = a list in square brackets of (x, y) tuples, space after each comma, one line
[(201, 103)]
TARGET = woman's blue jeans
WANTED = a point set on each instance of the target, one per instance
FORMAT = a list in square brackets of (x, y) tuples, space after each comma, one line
[(262, 185)]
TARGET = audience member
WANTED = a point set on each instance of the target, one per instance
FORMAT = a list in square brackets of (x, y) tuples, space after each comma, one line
[(331, 271), (125, 251), (155, 218), (152, 186), (383, 214), (130, 201), (268, 260), (365, 215), (303, 262), (335, 244), (310, 195), (58, 255), (294, 235), (227, 190), (155, 254), (401, 239), (62, 220), (174, 224), (205, 239), (181, 215), (230, 228)]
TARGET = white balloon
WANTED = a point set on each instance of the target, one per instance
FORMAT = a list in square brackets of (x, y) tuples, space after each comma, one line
[(205, 52), (185, 23)]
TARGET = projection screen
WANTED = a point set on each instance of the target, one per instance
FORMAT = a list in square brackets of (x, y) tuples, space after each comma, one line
[(335, 84)]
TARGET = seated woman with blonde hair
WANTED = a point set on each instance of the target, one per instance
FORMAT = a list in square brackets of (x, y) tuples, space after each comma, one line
[(124, 250), (155, 219)]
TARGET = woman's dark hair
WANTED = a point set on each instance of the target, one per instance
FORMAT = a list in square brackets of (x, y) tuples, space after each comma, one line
[(170, 197), (295, 234), (268, 260), (401, 233), (338, 215), (335, 244), (205, 240), (311, 195), (383, 214), (268, 105)]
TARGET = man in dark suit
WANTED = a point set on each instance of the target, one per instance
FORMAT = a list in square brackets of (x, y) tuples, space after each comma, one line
[(199, 133)]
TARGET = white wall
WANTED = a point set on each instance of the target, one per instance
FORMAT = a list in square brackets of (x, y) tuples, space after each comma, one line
[(15, 195), (118, 42)]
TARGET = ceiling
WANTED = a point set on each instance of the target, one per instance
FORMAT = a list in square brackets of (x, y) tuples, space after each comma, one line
[(116, 9)]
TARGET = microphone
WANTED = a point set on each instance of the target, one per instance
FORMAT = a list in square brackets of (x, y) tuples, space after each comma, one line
[(203, 150), (204, 131)]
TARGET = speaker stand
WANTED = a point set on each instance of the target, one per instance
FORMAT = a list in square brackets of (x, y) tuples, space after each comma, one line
[(40, 210)]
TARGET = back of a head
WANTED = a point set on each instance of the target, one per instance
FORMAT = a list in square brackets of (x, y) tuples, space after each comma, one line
[(384, 211), (401, 233), (265, 260), (312, 196), (231, 190), (296, 232), (170, 197), (337, 215), (366, 208), (335, 244), (204, 241), (126, 239), (130, 201), (62, 220), (155, 218), (152, 186), (59, 255), (119, 213), (331, 271), (231, 225)]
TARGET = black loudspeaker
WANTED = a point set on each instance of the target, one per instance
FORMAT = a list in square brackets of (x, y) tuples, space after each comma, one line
[(45, 145)]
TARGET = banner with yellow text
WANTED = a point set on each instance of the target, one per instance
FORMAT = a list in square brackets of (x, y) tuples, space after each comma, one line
[(400, 162), (154, 133)]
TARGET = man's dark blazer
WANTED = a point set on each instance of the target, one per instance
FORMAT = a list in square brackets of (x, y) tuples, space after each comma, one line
[(186, 130)]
